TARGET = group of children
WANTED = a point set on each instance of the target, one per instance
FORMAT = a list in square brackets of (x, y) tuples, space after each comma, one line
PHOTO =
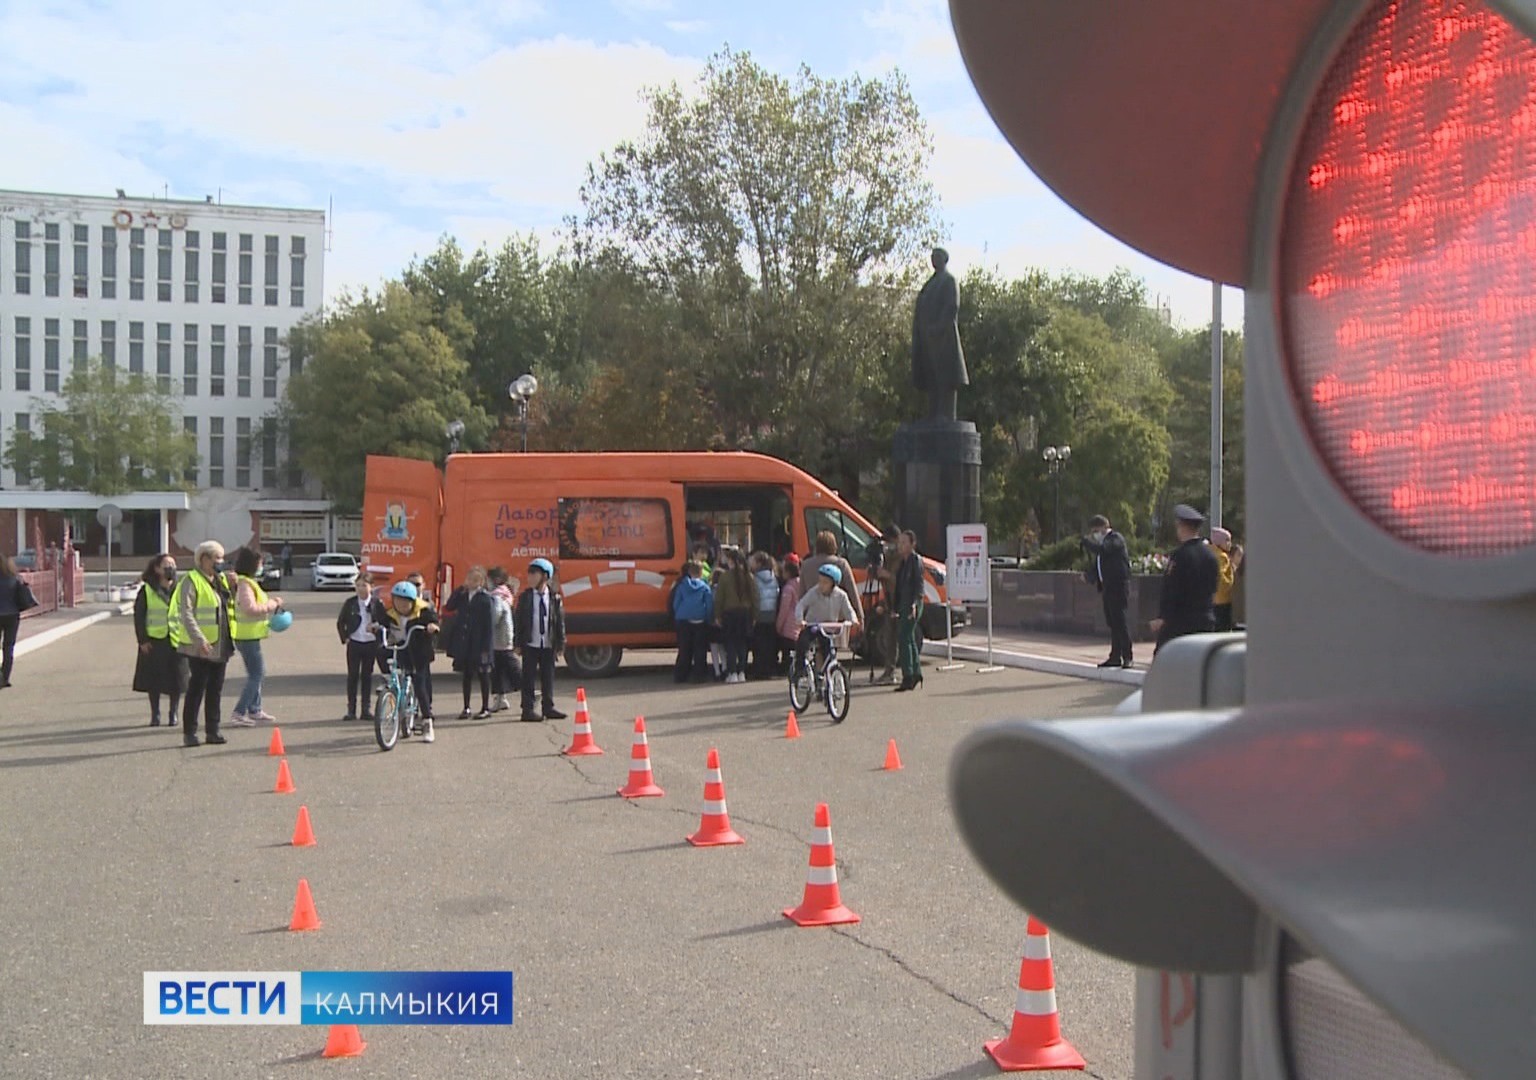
[(490, 634), (749, 605)]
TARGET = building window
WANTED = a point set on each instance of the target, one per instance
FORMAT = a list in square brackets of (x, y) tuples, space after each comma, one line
[(50, 356), (189, 360), (269, 362), (296, 272), (268, 458), (189, 425), (109, 262), (23, 258), (23, 447), (216, 450), (243, 363), (109, 343), (135, 264), (23, 353), (163, 265), (82, 278), (163, 356), (136, 348), (272, 254), (190, 287), (243, 452), (216, 363), (247, 250), (220, 258), (295, 476), (50, 260), (82, 350)]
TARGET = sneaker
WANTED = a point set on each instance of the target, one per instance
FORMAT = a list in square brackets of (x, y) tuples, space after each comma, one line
[(263, 715), (428, 736), (241, 720), (500, 704), (482, 714)]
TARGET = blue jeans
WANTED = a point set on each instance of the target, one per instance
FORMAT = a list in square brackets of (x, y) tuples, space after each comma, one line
[(255, 671)]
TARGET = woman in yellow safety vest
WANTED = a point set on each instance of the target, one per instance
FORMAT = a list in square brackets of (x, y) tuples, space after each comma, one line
[(200, 617), (253, 608), (160, 669)]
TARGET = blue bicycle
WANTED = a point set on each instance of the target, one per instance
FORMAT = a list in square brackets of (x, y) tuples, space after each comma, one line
[(396, 712)]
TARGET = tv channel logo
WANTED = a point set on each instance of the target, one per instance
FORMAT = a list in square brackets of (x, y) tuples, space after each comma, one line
[(328, 997)]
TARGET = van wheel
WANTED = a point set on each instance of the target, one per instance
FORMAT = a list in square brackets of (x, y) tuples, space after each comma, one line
[(593, 661)]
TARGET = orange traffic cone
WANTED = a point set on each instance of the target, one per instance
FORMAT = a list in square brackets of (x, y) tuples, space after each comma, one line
[(303, 835), (641, 783), (715, 824), (892, 758), (582, 743), (792, 726), (284, 779), (305, 917), (822, 904), (344, 1041), (275, 747), (1034, 1042)]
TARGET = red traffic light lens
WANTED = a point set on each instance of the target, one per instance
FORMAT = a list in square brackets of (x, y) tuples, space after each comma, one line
[(1408, 270)]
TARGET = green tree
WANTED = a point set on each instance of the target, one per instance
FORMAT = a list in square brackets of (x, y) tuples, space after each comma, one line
[(379, 377), (785, 219), (1187, 361), (109, 433)]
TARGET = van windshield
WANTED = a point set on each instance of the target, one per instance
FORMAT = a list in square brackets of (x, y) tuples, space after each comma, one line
[(853, 540)]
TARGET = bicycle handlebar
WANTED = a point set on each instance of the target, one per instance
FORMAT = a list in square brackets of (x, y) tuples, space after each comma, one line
[(392, 646)]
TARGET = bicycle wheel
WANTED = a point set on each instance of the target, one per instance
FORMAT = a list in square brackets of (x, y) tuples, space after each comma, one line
[(837, 693), (800, 687), (386, 720)]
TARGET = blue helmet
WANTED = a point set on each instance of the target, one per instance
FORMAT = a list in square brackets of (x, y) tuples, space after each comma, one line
[(403, 589), (828, 570), (544, 565)]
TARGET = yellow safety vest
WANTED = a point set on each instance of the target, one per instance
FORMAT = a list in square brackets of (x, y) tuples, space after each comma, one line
[(157, 615), (205, 610), (243, 629)]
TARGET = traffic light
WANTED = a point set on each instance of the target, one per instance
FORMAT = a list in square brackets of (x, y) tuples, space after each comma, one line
[(1315, 839)]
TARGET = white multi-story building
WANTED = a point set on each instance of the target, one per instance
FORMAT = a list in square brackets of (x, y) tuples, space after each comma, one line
[(198, 295)]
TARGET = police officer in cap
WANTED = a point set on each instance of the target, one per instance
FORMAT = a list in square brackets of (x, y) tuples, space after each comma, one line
[(1189, 585)]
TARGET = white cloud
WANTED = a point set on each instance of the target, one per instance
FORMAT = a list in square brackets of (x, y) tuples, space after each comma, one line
[(686, 26)]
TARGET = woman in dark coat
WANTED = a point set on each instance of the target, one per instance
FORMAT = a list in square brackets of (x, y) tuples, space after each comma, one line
[(160, 668), (473, 639)]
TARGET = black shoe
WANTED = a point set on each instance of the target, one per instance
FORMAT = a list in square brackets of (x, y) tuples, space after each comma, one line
[(1113, 661), (350, 716), (216, 740), (170, 722), (554, 714), (905, 686), (154, 721), (532, 718), (1129, 663), (483, 714), (191, 742)]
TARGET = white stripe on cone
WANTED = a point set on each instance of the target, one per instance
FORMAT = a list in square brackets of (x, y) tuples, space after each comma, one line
[(1036, 1003), (714, 806), (713, 777), (822, 875), (1037, 947), (822, 837)]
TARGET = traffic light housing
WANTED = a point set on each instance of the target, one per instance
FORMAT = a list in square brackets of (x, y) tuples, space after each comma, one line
[(1366, 171)]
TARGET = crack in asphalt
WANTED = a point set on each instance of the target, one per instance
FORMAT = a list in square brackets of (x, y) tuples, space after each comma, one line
[(927, 980), (164, 788)]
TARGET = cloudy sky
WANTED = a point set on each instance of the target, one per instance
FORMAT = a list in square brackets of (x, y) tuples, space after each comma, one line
[(474, 117)]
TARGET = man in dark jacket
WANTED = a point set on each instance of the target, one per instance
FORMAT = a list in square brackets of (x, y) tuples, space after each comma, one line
[(1111, 572), (1189, 587), (538, 632)]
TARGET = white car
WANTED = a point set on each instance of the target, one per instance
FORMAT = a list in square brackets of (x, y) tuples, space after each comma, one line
[(332, 569)]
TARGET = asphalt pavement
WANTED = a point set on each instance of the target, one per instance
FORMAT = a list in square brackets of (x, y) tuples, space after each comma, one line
[(635, 955)]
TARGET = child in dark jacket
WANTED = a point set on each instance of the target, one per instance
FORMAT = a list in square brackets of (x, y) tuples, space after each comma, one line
[(404, 611), (693, 609)]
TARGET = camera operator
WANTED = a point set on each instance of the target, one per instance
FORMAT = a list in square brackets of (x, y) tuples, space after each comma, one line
[(881, 621)]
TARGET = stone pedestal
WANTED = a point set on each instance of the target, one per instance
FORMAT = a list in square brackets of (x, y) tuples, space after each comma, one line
[(937, 473)]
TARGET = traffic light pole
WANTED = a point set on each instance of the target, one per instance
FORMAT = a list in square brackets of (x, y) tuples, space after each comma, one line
[(1216, 419)]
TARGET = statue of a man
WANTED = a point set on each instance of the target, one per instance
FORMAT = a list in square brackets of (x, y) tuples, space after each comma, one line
[(938, 364)]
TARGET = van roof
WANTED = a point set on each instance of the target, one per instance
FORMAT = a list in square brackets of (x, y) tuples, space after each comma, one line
[(725, 466)]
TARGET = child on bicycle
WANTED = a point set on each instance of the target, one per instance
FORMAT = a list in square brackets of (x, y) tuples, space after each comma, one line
[(406, 609), (826, 602)]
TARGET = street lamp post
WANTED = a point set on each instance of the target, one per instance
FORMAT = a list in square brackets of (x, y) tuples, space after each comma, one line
[(454, 432), (1056, 458), (520, 390)]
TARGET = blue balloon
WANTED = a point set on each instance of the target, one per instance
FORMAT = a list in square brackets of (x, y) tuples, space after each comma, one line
[(280, 621)]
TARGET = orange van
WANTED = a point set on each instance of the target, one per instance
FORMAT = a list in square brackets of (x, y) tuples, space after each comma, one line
[(616, 525)]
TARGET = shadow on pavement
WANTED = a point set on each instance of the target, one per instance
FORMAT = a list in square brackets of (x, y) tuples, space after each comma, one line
[(743, 931), (653, 849), (975, 1072)]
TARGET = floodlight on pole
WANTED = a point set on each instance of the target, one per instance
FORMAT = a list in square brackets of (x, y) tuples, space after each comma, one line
[(520, 390)]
